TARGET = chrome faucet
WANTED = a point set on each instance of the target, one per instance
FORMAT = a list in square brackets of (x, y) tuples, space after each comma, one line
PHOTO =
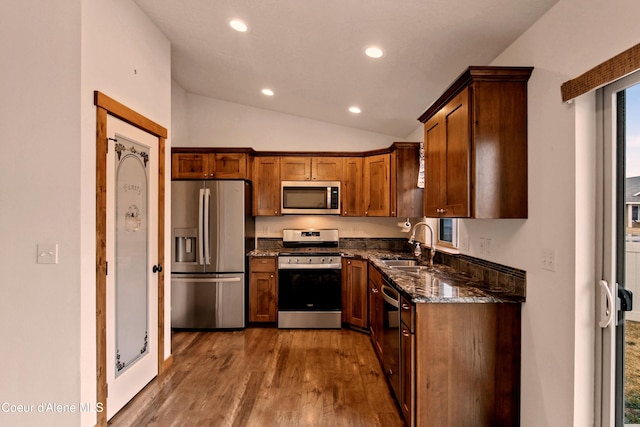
[(418, 250)]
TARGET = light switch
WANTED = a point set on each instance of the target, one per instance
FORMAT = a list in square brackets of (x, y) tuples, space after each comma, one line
[(48, 253)]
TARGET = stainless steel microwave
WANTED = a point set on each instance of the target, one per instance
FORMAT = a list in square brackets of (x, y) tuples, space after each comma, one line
[(310, 197)]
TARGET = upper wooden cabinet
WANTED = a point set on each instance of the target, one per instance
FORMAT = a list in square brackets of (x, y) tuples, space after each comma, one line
[(476, 146), (266, 186), (209, 166), (406, 196), (390, 182), (303, 168), (448, 159), (351, 190), (377, 185)]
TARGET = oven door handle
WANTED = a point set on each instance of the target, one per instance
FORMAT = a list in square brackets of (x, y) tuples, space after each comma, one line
[(389, 298)]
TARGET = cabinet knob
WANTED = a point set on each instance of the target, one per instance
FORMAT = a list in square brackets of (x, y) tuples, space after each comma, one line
[(405, 307), (349, 262), (374, 290), (405, 332), (345, 212), (271, 276), (275, 212)]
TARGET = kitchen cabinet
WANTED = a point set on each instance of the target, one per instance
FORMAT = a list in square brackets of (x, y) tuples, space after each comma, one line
[(374, 183), (351, 191), (263, 289), (266, 186), (406, 197), (376, 309), (475, 138), (407, 352), (466, 360), (305, 168), (377, 185), (390, 182), (355, 292), (209, 165)]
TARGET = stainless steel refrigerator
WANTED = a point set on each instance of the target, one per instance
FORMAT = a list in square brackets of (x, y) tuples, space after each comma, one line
[(212, 231)]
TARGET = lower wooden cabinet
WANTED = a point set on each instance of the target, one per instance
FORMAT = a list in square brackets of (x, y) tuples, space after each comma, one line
[(407, 359), (376, 308), (466, 365), (263, 289), (354, 292)]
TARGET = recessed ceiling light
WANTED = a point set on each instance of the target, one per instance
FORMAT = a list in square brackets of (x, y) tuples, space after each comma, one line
[(373, 52), (238, 25), (355, 110), (267, 92)]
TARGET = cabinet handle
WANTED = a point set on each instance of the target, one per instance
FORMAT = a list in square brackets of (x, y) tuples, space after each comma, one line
[(374, 290), (405, 307), (405, 332)]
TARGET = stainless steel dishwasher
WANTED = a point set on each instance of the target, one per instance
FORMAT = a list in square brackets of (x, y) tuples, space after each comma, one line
[(391, 336)]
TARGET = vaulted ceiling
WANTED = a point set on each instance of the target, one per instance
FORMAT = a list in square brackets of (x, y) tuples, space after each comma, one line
[(311, 53)]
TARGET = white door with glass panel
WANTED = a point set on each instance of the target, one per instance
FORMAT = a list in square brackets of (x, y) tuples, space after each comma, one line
[(132, 248), (618, 349)]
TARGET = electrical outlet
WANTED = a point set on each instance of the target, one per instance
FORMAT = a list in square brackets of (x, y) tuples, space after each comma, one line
[(485, 246), (548, 260), (464, 243)]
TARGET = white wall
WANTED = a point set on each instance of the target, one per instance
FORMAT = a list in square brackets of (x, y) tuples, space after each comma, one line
[(207, 122), (127, 58), (40, 203), (216, 123), (53, 60)]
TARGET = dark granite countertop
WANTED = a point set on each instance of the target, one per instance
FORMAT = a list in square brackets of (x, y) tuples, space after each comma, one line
[(441, 284)]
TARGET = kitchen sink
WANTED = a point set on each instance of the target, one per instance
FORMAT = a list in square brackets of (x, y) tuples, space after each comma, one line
[(412, 268), (394, 263)]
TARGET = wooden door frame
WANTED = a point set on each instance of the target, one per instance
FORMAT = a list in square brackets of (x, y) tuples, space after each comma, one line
[(108, 106)]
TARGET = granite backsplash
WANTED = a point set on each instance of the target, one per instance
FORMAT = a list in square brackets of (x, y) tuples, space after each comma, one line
[(498, 276)]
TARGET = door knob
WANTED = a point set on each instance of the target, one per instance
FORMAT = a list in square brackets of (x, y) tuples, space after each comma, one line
[(157, 268)]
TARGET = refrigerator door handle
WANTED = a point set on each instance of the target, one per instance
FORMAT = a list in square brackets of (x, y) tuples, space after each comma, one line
[(207, 243), (200, 233), (205, 280)]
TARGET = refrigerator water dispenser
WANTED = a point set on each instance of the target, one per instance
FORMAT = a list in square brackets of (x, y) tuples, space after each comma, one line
[(186, 244)]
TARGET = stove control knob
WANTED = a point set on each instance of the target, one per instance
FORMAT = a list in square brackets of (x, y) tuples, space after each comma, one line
[(322, 261), (310, 261)]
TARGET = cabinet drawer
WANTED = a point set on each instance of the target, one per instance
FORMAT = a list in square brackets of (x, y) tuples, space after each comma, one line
[(408, 313), (267, 264)]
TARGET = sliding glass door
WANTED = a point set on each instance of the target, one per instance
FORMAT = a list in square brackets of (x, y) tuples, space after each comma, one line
[(618, 378)]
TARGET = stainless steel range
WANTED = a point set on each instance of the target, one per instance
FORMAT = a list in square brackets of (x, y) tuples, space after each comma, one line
[(309, 280)]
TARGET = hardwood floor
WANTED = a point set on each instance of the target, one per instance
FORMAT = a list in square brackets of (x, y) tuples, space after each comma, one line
[(267, 377)]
